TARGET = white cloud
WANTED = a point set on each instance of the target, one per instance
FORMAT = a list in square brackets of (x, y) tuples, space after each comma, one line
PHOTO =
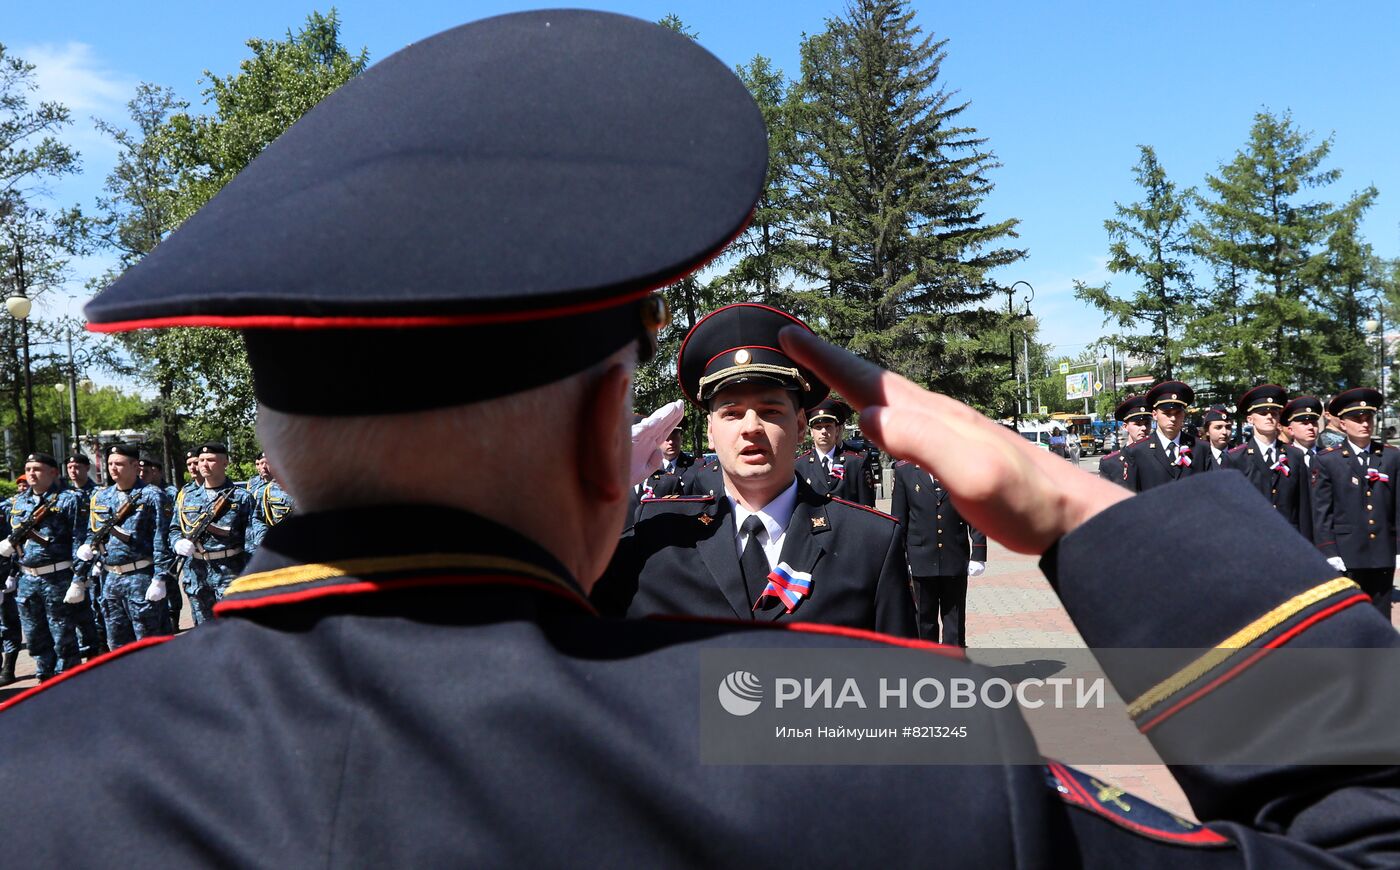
[(73, 74)]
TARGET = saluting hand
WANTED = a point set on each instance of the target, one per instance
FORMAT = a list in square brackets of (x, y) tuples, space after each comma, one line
[(648, 435), (1023, 497)]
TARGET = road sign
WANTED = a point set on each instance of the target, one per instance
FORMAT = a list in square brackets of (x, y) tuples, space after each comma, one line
[(1064, 368), (1098, 386), (1044, 409)]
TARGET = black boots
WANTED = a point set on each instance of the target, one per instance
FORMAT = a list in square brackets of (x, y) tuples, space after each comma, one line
[(7, 670)]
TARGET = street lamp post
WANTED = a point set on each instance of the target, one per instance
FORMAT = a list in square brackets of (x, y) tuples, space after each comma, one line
[(1011, 312), (19, 307)]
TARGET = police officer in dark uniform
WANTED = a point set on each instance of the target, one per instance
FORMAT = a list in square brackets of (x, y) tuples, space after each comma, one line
[(1264, 459), (1354, 498), (830, 469), (706, 478), (1301, 417), (1136, 417), (942, 551), (1212, 449), (773, 548), (422, 649), (1165, 455)]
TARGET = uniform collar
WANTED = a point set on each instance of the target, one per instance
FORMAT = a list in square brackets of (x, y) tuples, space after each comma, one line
[(775, 515), (390, 548), (1361, 451), (1164, 440)]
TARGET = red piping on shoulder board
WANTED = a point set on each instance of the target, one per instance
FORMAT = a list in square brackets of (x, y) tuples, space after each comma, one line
[(1359, 598), (91, 663), (952, 652), (366, 586), (291, 321), (864, 508)]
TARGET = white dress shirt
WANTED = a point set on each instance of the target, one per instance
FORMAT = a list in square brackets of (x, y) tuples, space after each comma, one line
[(775, 517)]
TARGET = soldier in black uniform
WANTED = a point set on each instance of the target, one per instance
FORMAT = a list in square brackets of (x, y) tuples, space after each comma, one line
[(1165, 455), (1354, 498), (829, 468), (942, 551), (1136, 417), (1264, 459), (1212, 450), (773, 548), (439, 689)]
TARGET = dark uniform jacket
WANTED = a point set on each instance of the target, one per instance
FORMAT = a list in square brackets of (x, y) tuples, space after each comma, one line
[(1111, 467), (1283, 490), (1203, 458), (938, 541), (1353, 517), (448, 697), (705, 479), (850, 477), (681, 558), (1298, 460), (1148, 466)]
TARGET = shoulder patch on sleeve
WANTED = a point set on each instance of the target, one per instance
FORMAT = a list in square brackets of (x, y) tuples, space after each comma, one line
[(86, 666), (1128, 811), (864, 508)]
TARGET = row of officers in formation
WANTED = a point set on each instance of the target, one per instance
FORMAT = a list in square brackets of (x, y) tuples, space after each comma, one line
[(88, 568), (1339, 487)]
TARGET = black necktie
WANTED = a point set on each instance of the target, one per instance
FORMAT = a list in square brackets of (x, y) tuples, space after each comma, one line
[(1269, 457), (754, 563), (1171, 453), (826, 464)]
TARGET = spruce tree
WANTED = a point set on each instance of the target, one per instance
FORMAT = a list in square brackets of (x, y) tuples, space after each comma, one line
[(890, 185)]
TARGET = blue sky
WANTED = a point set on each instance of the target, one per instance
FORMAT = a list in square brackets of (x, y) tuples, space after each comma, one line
[(1064, 91)]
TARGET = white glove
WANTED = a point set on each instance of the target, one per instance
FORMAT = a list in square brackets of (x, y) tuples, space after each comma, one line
[(156, 591), (1397, 561), (10, 583), (76, 592), (1336, 562), (86, 553), (647, 437), (184, 547), (976, 569), (6, 548)]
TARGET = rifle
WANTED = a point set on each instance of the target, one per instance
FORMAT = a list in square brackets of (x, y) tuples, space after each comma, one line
[(24, 529), (101, 536), (201, 525)]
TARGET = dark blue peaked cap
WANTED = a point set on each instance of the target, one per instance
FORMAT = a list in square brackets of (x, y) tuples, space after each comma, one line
[(485, 211)]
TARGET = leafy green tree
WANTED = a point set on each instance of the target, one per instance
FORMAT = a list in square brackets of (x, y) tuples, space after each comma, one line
[(1274, 244), (35, 242), (172, 162), (890, 184), (1151, 241)]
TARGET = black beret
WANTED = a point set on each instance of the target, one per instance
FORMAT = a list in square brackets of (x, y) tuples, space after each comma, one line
[(1217, 413), (1302, 408), (130, 451), (1170, 393), (1355, 399), (191, 454), (44, 458), (260, 455), (831, 409), (79, 457), (1263, 397), (1133, 406), (738, 344), (500, 199), (211, 447), (152, 461)]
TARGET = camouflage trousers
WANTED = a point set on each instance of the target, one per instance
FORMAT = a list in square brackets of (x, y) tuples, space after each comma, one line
[(206, 581), (11, 633), (129, 615), (48, 622)]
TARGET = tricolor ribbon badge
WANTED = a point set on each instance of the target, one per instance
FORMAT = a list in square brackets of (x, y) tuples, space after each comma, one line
[(647, 491), (1376, 476), (1281, 465), (838, 471), (1184, 457), (787, 585)]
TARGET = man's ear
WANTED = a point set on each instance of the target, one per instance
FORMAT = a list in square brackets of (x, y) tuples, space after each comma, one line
[(603, 453)]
